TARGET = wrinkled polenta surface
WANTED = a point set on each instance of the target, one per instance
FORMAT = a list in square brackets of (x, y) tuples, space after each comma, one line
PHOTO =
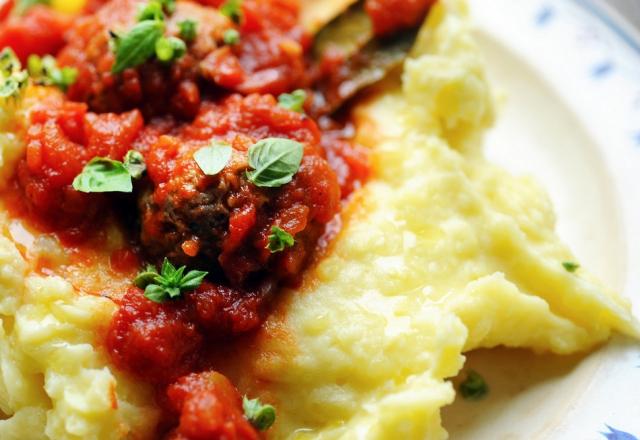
[(440, 253)]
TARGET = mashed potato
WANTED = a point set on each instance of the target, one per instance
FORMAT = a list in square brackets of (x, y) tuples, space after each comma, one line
[(440, 253)]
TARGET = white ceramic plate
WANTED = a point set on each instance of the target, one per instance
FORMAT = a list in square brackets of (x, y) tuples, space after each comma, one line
[(568, 76)]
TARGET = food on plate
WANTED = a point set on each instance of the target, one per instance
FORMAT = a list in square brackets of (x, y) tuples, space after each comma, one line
[(219, 220)]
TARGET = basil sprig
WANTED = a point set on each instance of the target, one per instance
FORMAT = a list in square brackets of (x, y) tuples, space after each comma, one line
[(188, 30), (293, 101), (259, 415), (233, 10), (102, 174), (45, 71), (214, 158), (274, 162), (170, 283), (279, 239)]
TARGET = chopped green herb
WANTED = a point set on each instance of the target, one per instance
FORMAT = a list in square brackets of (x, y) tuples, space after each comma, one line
[(233, 10), (13, 80), (473, 387), (570, 266), (23, 6), (102, 174), (214, 158), (259, 415), (279, 239), (134, 163), (45, 71), (188, 30), (170, 283), (151, 11), (169, 6), (170, 49), (138, 45), (293, 101), (231, 37), (274, 161)]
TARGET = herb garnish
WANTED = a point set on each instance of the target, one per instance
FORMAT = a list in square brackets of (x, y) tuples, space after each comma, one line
[(570, 266), (279, 239), (13, 80), (45, 71), (473, 387), (170, 49), (138, 45), (233, 10), (214, 158), (170, 283), (293, 101), (188, 30), (102, 174), (231, 37), (274, 161), (259, 415)]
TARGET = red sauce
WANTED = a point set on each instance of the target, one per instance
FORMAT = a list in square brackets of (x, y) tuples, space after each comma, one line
[(40, 31), (406, 14)]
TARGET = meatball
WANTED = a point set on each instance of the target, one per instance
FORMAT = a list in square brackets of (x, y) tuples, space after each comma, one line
[(222, 223)]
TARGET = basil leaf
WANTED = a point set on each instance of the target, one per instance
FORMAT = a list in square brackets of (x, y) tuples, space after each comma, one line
[(214, 158), (233, 10), (146, 277), (259, 415), (473, 387), (138, 45), (570, 266), (293, 101), (13, 80), (103, 175), (134, 163), (275, 161), (170, 49), (188, 30), (279, 239), (45, 71), (155, 293)]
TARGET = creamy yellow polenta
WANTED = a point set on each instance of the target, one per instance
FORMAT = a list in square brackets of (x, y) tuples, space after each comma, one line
[(441, 253)]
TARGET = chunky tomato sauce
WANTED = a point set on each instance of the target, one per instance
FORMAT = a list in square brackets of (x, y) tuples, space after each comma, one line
[(217, 91)]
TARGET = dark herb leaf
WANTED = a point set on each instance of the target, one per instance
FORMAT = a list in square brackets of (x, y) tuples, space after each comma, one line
[(274, 161), (259, 415), (134, 163), (233, 10), (170, 283), (188, 30), (138, 45), (155, 293), (214, 158), (279, 239), (570, 266), (146, 277), (473, 387), (103, 175)]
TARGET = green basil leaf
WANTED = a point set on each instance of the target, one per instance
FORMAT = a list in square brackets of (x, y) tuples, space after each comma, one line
[(293, 101), (275, 161), (134, 163), (151, 11), (138, 45), (259, 415), (188, 30), (192, 280), (279, 239), (214, 158), (146, 277), (103, 175), (155, 293), (13, 80), (233, 10), (167, 270)]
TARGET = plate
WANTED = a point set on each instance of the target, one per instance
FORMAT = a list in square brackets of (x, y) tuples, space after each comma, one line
[(567, 79)]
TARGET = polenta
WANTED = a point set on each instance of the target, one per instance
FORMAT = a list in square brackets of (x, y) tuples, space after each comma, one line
[(435, 251)]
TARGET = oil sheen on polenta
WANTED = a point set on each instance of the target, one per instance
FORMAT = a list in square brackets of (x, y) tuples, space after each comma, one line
[(440, 253)]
